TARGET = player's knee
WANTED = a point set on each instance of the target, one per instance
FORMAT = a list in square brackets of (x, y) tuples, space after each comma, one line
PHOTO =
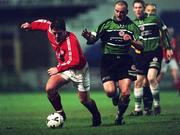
[(125, 93), (49, 88), (109, 88), (84, 101), (110, 93), (138, 84), (152, 80)]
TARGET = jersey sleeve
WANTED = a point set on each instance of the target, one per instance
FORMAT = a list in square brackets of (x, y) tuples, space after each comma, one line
[(136, 33), (136, 37), (72, 57), (40, 24), (165, 38)]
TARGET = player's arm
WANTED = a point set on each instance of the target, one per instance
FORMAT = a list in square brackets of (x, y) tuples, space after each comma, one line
[(40, 24), (89, 36), (165, 36), (137, 45), (136, 42), (95, 35), (165, 39)]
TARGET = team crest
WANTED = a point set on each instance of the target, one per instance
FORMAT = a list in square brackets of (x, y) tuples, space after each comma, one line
[(121, 33), (142, 28), (155, 59)]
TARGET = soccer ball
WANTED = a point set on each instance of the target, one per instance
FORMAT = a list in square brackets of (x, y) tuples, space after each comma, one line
[(55, 120)]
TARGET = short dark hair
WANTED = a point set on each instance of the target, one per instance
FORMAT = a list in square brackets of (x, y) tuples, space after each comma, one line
[(122, 2), (58, 24), (139, 1), (151, 4)]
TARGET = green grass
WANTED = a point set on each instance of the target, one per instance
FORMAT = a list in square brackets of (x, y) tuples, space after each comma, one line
[(25, 114)]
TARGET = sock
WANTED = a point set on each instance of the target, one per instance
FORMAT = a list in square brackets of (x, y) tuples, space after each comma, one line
[(155, 94), (123, 105), (91, 106), (55, 100), (138, 94), (147, 98)]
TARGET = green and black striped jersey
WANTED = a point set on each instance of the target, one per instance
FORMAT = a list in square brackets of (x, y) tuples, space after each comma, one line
[(153, 31), (111, 33)]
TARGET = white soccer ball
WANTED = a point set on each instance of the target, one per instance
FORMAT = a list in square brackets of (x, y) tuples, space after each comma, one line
[(55, 120)]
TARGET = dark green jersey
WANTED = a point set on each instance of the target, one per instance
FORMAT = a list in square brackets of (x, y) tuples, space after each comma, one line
[(152, 32), (111, 33)]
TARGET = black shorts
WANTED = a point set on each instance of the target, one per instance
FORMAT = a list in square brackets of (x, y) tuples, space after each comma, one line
[(117, 67), (147, 60)]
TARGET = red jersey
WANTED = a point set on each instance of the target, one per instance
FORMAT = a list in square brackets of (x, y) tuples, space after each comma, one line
[(68, 52)]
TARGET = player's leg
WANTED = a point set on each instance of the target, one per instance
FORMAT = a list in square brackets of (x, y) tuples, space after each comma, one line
[(90, 104), (138, 95), (81, 81), (111, 91), (155, 59), (147, 98), (154, 86), (141, 68), (52, 85), (164, 68), (123, 103), (176, 78), (108, 73), (115, 98), (175, 74), (160, 77)]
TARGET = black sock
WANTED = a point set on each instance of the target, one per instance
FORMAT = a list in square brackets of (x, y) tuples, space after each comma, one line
[(55, 100), (91, 106), (147, 98), (123, 104)]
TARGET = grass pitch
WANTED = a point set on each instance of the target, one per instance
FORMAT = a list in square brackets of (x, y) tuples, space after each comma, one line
[(25, 114)]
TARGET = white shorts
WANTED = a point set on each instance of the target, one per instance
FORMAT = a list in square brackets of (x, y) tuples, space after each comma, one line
[(171, 65), (80, 78)]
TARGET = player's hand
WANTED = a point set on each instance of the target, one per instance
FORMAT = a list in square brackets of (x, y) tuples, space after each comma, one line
[(52, 71), (86, 34), (26, 25), (127, 37), (169, 54)]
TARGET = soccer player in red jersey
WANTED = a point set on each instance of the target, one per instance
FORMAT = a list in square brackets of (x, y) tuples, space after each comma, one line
[(171, 64), (72, 66)]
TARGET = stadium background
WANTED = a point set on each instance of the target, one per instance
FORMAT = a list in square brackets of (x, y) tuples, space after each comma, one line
[(25, 56)]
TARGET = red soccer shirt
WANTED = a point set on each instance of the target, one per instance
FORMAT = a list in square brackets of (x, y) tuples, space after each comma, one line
[(68, 52)]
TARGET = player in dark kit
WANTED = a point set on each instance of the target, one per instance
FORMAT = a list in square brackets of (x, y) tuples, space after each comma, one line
[(149, 60), (72, 66), (117, 35)]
